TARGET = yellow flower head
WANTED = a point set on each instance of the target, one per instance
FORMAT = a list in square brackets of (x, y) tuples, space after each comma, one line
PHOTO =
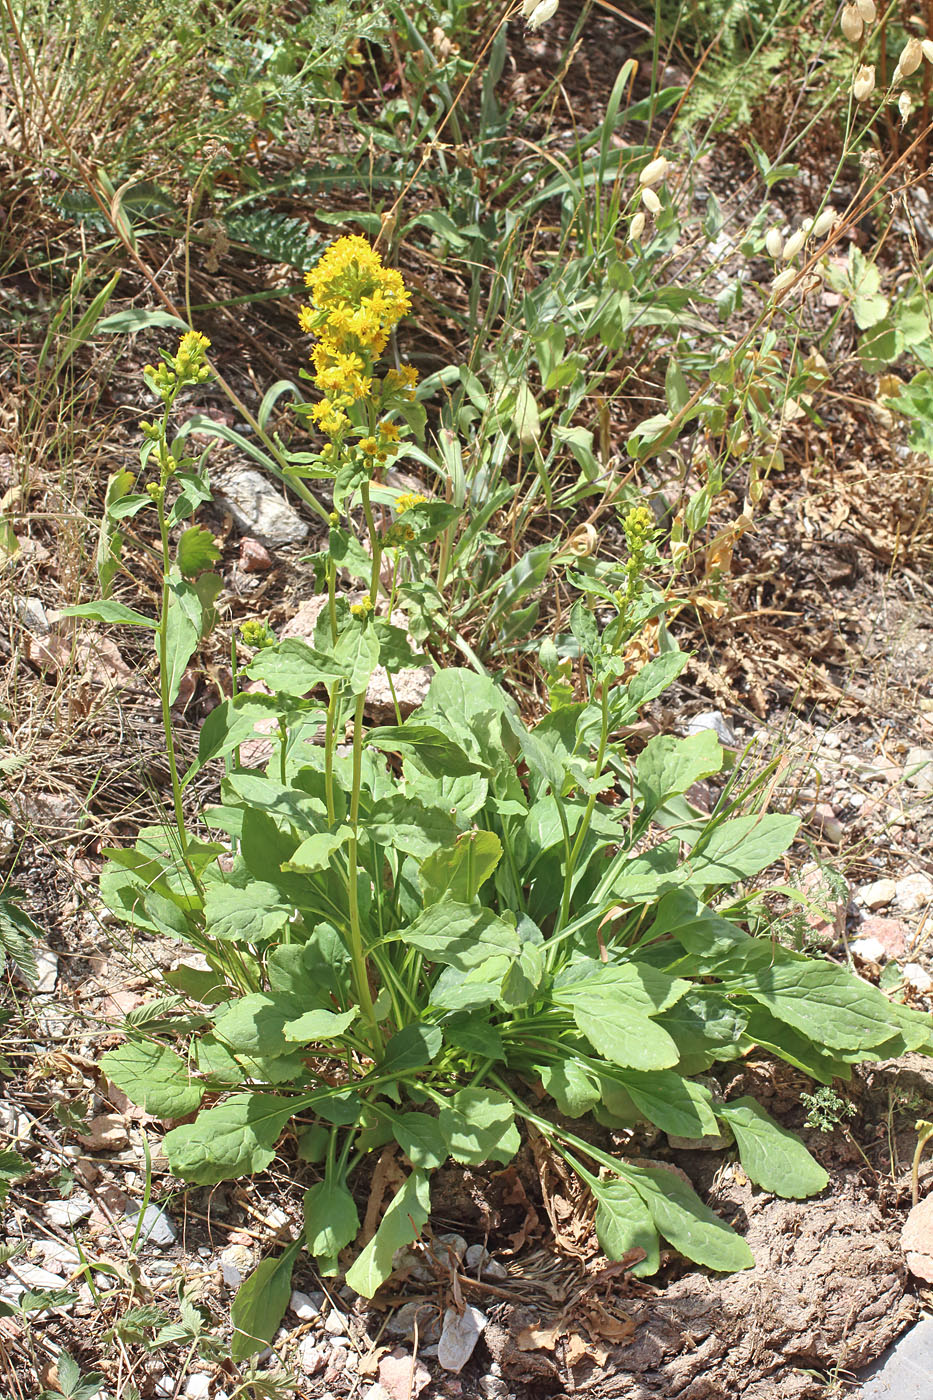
[(402, 380), (388, 431), (369, 446), (407, 500)]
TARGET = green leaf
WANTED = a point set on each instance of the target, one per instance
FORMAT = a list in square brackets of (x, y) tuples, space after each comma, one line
[(672, 1103), (460, 870), (825, 1002), (405, 824), (357, 653), (428, 745), (740, 848), (668, 766), (153, 1077), (260, 1304), (107, 610), (773, 1157), (250, 915), (401, 1225), (13, 1166), (624, 1036), (413, 1047), (316, 852), (319, 1025), (293, 668), (109, 539), (478, 1126), (571, 1086), (182, 633), (420, 1138), (196, 551), (463, 935), (237, 1138), (689, 1225), (623, 1223), (525, 415), (331, 1222)]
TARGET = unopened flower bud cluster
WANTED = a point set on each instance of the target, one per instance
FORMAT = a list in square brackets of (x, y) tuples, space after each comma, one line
[(654, 173), (787, 250), (854, 19)]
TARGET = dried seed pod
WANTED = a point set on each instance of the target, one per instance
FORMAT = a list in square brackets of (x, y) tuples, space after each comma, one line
[(864, 84), (824, 223), (651, 202), (637, 226), (926, 48), (655, 171), (536, 15), (852, 23), (774, 242), (783, 280), (910, 59), (794, 244), (583, 542), (866, 9), (905, 106)]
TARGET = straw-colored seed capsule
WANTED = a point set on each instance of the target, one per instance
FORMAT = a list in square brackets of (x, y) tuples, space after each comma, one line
[(824, 223), (905, 106), (910, 59), (866, 9), (650, 200), (864, 84), (926, 48), (774, 242), (655, 171), (783, 279), (852, 24), (637, 226), (794, 244)]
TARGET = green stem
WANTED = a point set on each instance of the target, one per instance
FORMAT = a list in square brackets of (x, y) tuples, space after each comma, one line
[(357, 950), (374, 542), (590, 806)]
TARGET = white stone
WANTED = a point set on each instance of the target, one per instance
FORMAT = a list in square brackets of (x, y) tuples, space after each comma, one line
[(868, 949), (459, 1335), (47, 968), (198, 1386), (336, 1322), (917, 977), (914, 892), (235, 1262), (877, 894), (35, 1277), (311, 1357), (32, 615), (156, 1226), (65, 1214), (260, 510), (714, 720), (918, 770), (7, 837), (450, 1241), (306, 1306)]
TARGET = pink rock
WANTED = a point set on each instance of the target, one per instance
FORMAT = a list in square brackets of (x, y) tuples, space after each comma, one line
[(892, 934), (402, 1376), (254, 557), (917, 1240)]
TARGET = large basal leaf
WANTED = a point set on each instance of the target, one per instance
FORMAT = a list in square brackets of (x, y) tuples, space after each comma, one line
[(107, 610), (420, 1138), (153, 1077), (404, 824), (462, 935), (413, 1047), (773, 1157), (668, 766), (237, 1138), (646, 989), (316, 852), (260, 1304), (428, 745), (624, 1036), (331, 1222), (401, 1225), (293, 668), (459, 871), (623, 1223), (478, 1126), (672, 1103), (740, 848), (245, 915), (689, 1225), (571, 1086)]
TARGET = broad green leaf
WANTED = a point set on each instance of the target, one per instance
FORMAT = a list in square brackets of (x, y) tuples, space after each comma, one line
[(319, 1025), (633, 984), (623, 1222), (153, 1077), (107, 610), (463, 935), (706, 1027), (478, 1126), (428, 745), (293, 668), (401, 1225), (624, 1036), (413, 1047), (405, 824), (772, 1034), (357, 653), (237, 1138), (182, 633), (331, 1222), (689, 1225), (824, 1001), (653, 678), (740, 848), (525, 415), (773, 1157), (249, 915), (316, 852), (571, 1086), (109, 539), (196, 551), (668, 766), (524, 977), (420, 1138), (476, 1035), (672, 1103), (260, 1304), (461, 869)]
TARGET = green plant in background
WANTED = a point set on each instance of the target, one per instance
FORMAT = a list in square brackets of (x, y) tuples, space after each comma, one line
[(405, 937), (826, 1109)]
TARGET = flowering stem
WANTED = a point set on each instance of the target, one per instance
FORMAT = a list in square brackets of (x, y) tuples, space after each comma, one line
[(357, 951)]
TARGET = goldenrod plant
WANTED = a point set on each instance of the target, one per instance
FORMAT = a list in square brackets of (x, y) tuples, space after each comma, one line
[(462, 922)]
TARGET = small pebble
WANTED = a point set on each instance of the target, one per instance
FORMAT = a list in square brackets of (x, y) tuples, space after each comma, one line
[(156, 1226), (235, 1262), (306, 1306), (868, 949), (878, 894), (254, 557), (913, 892), (65, 1214), (336, 1322), (459, 1335), (892, 934), (917, 977), (198, 1386), (311, 1357)]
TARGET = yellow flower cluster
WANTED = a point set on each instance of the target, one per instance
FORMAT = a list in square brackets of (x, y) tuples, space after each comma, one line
[(407, 500), (186, 366), (355, 302)]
